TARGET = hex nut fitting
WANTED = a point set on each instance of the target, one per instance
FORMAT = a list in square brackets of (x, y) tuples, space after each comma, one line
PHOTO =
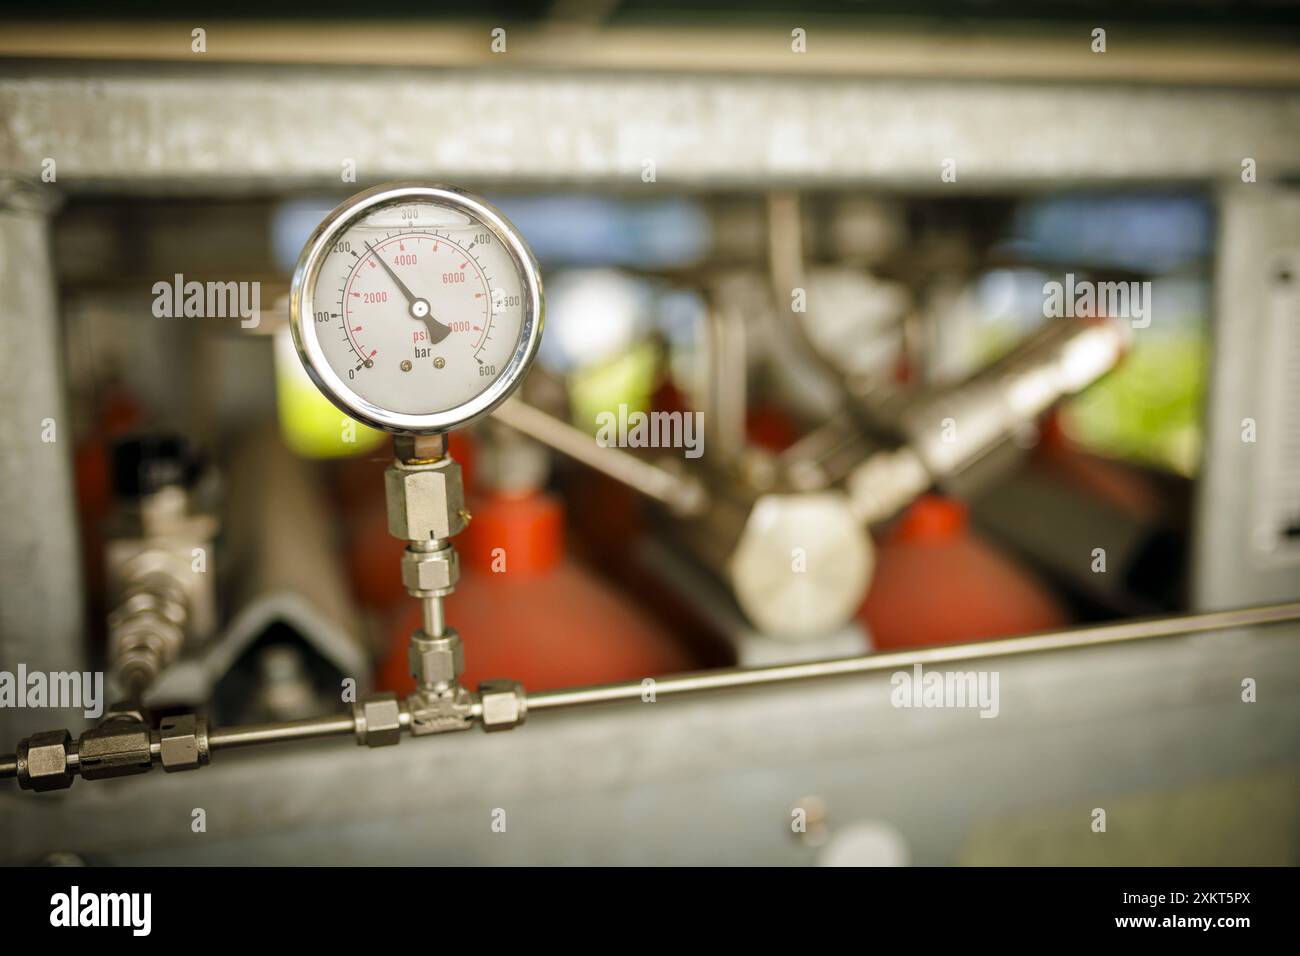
[(379, 720), (425, 500), (430, 573), (183, 743), (504, 704), (436, 660), (118, 747), (43, 762)]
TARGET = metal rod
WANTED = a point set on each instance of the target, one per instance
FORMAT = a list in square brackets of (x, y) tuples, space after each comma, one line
[(433, 616), (338, 726), (335, 726), (679, 492), (1053, 641)]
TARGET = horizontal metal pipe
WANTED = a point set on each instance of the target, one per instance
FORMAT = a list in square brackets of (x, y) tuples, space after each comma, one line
[(1136, 630), (341, 725), (335, 726)]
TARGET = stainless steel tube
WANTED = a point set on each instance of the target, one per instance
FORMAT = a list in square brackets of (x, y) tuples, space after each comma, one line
[(433, 617), (1137, 630), (1146, 629), (336, 726), (679, 492)]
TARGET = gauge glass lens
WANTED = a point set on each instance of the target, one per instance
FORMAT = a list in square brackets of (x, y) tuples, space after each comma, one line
[(418, 306)]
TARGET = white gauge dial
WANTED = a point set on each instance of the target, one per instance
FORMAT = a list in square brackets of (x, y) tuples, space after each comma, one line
[(416, 308)]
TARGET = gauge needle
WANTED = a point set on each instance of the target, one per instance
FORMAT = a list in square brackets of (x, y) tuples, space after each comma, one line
[(419, 308)]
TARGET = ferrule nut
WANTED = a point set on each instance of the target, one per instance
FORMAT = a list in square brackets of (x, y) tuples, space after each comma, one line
[(43, 762), (436, 660), (430, 573), (183, 743), (504, 704), (378, 720)]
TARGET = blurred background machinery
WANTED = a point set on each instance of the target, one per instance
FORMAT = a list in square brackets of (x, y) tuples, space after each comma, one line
[(838, 258)]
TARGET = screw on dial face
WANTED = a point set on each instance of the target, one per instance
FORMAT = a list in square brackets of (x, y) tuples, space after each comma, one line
[(416, 308)]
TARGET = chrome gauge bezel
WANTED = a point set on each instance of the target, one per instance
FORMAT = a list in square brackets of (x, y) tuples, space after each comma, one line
[(302, 308)]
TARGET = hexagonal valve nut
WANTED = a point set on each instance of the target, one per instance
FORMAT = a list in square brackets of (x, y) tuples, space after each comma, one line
[(379, 720), (430, 573), (183, 742), (425, 500), (436, 660), (43, 762), (504, 704)]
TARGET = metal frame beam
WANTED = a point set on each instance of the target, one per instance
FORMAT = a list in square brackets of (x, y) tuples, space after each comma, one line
[(168, 128)]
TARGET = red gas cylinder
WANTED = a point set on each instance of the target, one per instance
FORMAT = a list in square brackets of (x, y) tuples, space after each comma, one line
[(526, 612), (938, 583)]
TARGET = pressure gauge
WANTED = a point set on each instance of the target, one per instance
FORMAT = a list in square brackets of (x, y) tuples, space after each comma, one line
[(416, 308)]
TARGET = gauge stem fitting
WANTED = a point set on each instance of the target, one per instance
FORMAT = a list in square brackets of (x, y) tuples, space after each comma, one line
[(426, 507)]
